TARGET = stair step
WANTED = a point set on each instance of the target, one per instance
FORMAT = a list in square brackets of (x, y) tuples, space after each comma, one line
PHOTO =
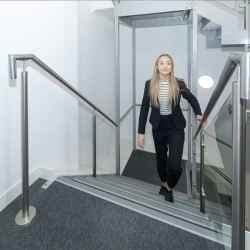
[(184, 202), (206, 230), (152, 197), (151, 186), (163, 207), (211, 205)]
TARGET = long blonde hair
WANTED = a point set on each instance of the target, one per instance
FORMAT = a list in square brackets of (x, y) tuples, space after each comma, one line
[(173, 91)]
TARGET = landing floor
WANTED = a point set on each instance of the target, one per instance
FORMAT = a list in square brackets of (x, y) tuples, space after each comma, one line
[(68, 218)]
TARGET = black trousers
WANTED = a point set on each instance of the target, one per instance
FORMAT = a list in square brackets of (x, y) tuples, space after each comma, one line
[(168, 138)]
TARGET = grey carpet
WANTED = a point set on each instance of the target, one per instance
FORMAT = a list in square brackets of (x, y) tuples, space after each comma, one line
[(70, 219), (142, 166)]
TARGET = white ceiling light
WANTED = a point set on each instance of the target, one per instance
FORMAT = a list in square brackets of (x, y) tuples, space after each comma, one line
[(206, 81)]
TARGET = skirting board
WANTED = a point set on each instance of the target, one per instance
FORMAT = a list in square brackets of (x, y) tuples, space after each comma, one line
[(11, 194)]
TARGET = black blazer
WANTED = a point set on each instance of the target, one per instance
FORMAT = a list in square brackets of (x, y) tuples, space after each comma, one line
[(178, 118)]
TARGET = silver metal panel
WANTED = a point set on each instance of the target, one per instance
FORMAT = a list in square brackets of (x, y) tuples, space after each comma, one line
[(158, 22), (185, 15), (238, 176), (208, 234), (155, 16), (204, 23), (212, 43), (226, 18), (194, 63), (134, 83), (12, 63), (126, 21), (238, 37), (135, 8), (117, 94), (217, 34)]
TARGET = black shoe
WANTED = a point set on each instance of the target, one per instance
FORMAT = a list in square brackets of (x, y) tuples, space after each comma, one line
[(162, 190), (169, 196)]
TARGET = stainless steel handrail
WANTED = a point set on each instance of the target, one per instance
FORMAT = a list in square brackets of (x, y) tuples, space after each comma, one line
[(28, 212), (126, 112), (235, 57), (25, 57)]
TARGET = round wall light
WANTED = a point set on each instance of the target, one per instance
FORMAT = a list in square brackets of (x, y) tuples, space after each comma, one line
[(206, 81)]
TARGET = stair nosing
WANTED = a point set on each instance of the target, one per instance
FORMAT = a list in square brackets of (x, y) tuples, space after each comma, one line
[(183, 202), (167, 205)]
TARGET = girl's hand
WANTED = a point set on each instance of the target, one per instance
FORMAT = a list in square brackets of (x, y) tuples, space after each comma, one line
[(199, 118), (141, 140)]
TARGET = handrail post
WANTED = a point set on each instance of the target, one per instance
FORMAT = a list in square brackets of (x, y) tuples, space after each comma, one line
[(238, 174), (202, 171), (194, 63), (117, 94), (27, 213), (134, 82), (94, 142)]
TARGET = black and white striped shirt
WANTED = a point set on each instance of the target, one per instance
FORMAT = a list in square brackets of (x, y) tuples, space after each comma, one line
[(163, 98)]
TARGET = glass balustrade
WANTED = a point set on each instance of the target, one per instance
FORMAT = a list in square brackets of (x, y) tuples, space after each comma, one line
[(218, 164)]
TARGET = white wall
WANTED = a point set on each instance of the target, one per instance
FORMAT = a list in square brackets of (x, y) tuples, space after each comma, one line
[(96, 82), (49, 30)]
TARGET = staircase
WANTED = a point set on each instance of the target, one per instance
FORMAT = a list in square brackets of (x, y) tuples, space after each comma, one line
[(144, 198)]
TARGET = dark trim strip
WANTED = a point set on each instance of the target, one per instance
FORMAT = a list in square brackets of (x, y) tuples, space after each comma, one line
[(220, 173), (217, 139)]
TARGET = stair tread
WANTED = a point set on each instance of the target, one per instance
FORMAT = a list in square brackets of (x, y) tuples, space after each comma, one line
[(209, 204), (154, 200), (185, 202)]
